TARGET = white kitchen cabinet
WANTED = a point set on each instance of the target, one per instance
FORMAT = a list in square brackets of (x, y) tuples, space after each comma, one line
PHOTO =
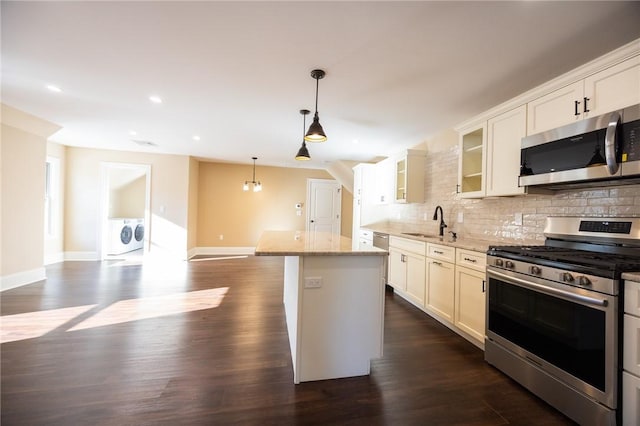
[(415, 278), (612, 88), (409, 177), (630, 399), (504, 136), (407, 268), (397, 269), (365, 238), (384, 179), (440, 283), (470, 293), (471, 162), (362, 175), (631, 354), (470, 302)]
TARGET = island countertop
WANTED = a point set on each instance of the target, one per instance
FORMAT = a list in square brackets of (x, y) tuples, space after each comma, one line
[(301, 243)]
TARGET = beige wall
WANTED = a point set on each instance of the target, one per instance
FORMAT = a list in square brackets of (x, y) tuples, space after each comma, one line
[(54, 244), (494, 218), (192, 220), (23, 150), (240, 217), (346, 222), (129, 200), (169, 199)]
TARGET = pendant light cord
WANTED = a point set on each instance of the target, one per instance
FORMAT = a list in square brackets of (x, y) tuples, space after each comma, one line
[(317, 83)]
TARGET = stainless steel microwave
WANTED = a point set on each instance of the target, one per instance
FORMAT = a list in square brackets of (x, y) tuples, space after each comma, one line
[(602, 150)]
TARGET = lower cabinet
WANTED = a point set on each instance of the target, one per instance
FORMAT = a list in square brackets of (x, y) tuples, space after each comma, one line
[(407, 269), (440, 289), (630, 399), (397, 270), (415, 278), (470, 302), (631, 354), (447, 283)]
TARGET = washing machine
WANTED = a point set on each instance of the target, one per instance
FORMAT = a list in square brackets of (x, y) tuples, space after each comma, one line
[(121, 235), (138, 235)]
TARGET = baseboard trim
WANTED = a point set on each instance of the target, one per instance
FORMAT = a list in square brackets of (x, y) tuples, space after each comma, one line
[(81, 255), (217, 251), (54, 258), (22, 278)]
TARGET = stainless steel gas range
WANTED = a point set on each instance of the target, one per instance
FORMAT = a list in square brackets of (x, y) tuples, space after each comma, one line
[(554, 313)]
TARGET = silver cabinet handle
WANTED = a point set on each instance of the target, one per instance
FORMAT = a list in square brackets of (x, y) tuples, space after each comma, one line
[(610, 142)]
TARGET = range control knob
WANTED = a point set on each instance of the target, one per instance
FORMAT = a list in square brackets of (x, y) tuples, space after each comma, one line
[(582, 280), (567, 277), (499, 262), (535, 270), (509, 264)]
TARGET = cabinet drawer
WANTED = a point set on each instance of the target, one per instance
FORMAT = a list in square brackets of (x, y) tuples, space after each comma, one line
[(417, 247), (471, 259), (446, 253), (366, 234), (632, 298)]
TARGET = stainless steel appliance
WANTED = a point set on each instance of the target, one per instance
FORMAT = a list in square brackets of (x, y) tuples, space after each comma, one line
[(554, 317), (381, 240), (595, 151)]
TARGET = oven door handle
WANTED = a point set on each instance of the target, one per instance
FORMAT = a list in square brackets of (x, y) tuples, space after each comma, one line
[(550, 290)]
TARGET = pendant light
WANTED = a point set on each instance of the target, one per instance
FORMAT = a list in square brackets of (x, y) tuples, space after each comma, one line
[(316, 132), (257, 186), (303, 152)]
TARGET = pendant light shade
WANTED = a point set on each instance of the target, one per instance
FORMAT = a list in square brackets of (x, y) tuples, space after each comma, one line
[(316, 132), (257, 186), (303, 152)]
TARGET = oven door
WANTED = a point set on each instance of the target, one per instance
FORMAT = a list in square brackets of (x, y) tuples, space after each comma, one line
[(568, 332)]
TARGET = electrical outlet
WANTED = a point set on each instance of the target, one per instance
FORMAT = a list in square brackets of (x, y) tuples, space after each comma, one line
[(221, 237), (518, 219), (312, 282), (460, 217), (424, 216)]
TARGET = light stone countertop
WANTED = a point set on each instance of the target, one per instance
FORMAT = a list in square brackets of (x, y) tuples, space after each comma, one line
[(461, 242), (631, 276), (301, 243)]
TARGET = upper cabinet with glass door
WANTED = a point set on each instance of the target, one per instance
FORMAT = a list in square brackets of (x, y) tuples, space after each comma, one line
[(472, 165), (409, 176)]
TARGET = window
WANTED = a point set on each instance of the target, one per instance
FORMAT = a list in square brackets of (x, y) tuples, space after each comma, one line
[(52, 197)]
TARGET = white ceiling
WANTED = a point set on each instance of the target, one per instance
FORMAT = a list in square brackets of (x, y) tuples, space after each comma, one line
[(237, 73)]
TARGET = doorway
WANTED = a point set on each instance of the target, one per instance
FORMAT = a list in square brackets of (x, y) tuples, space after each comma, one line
[(324, 201), (126, 211)]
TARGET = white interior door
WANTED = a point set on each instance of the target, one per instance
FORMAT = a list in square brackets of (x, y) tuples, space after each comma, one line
[(324, 201)]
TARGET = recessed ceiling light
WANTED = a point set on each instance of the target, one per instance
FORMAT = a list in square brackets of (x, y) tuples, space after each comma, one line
[(53, 88), (155, 99), (356, 141), (133, 133), (196, 138)]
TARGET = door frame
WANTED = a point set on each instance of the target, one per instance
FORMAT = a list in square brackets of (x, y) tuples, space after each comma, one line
[(103, 212)]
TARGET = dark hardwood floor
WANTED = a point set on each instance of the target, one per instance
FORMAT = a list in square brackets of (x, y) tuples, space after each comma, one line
[(155, 345)]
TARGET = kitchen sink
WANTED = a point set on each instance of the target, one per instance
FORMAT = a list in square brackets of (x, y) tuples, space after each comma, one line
[(420, 234)]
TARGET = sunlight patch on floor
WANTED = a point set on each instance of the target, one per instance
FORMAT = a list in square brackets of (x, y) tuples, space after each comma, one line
[(35, 324), (202, 259), (154, 307)]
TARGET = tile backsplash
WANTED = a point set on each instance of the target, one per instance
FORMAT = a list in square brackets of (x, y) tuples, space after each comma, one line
[(501, 219)]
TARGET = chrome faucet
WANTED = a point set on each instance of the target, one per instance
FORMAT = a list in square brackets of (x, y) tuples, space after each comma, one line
[(442, 224)]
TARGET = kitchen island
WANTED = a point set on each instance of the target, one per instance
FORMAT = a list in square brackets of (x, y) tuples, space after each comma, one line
[(333, 300)]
